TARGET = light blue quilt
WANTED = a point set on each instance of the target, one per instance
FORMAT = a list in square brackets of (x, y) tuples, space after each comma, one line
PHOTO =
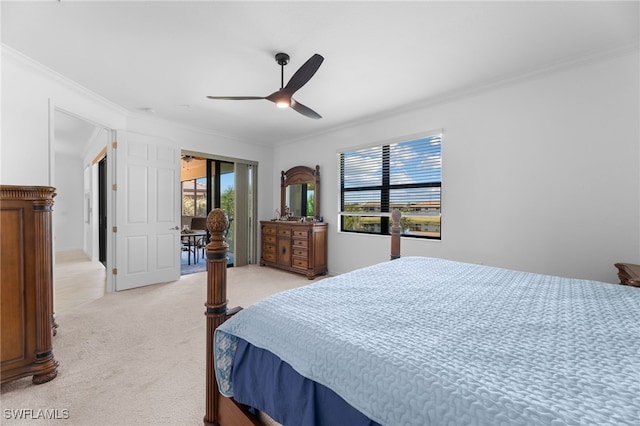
[(423, 341)]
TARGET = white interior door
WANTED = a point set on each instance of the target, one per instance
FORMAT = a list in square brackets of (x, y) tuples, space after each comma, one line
[(147, 211)]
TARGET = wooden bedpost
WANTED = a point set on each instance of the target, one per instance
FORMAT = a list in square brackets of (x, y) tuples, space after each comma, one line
[(396, 230), (216, 313)]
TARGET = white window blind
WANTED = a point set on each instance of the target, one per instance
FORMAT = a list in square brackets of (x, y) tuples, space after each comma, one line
[(406, 175)]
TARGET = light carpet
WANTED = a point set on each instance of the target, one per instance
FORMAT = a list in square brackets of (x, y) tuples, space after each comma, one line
[(135, 357)]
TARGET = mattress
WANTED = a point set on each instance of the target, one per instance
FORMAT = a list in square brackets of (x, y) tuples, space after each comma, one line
[(425, 341)]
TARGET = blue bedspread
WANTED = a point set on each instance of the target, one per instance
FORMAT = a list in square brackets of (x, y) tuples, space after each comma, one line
[(263, 381), (423, 341)]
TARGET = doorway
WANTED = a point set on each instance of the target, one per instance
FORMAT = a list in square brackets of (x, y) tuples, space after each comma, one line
[(78, 276), (206, 184)]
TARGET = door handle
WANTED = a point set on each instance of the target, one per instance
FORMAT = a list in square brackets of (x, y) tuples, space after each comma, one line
[(175, 228)]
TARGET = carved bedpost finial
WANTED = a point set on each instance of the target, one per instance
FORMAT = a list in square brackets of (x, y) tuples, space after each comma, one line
[(396, 230), (217, 224)]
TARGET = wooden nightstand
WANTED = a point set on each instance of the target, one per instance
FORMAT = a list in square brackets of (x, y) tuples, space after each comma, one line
[(629, 274)]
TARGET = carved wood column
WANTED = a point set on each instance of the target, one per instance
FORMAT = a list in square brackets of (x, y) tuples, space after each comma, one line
[(45, 325), (216, 312)]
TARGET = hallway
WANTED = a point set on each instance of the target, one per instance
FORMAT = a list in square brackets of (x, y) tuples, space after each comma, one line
[(77, 280)]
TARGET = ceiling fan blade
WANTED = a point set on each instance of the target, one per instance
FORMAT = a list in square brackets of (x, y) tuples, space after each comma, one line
[(304, 74), (304, 110), (236, 98)]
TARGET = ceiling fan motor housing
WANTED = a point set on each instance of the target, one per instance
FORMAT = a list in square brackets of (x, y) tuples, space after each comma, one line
[(282, 58)]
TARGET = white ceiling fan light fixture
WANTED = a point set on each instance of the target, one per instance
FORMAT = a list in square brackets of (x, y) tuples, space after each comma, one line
[(283, 102)]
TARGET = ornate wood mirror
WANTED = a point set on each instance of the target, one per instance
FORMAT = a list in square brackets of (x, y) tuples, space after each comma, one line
[(300, 192)]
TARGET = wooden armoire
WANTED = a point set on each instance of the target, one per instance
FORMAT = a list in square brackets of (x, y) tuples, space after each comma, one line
[(26, 283)]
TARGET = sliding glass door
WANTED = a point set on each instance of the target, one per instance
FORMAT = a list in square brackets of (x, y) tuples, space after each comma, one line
[(209, 183), (222, 194)]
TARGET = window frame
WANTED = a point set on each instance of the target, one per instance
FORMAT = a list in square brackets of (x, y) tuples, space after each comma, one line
[(386, 188), (192, 194)]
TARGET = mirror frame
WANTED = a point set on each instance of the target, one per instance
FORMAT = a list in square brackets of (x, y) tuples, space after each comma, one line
[(298, 175)]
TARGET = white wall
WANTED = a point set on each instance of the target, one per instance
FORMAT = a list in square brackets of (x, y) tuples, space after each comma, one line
[(69, 203), (29, 95), (539, 174)]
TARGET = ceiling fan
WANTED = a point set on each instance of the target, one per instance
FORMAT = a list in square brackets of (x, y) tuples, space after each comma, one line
[(283, 97)]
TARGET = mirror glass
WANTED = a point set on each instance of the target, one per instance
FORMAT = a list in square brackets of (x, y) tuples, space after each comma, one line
[(301, 199)]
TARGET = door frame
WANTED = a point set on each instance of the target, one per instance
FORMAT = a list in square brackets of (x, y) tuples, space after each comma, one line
[(251, 217), (91, 149), (103, 208)]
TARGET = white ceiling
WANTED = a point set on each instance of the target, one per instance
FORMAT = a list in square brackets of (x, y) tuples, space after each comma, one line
[(380, 57)]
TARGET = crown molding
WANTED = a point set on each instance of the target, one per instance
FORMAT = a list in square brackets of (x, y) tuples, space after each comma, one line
[(30, 63), (486, 86)]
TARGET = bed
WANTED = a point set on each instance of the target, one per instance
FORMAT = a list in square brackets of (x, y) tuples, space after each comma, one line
[(425, 341)]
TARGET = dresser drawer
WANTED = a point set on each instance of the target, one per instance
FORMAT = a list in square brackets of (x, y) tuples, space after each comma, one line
[(269, 248), (284, 232), (269, 239), (269, 257), (300, 233), (300, 263), (300, 252), (301, 243), (269, 230)]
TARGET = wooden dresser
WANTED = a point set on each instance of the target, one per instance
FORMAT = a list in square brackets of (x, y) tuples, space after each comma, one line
[(296, 247), (26, 283)]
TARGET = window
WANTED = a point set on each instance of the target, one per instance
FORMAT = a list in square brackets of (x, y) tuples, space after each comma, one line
[(405, 175), (194, 197)]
